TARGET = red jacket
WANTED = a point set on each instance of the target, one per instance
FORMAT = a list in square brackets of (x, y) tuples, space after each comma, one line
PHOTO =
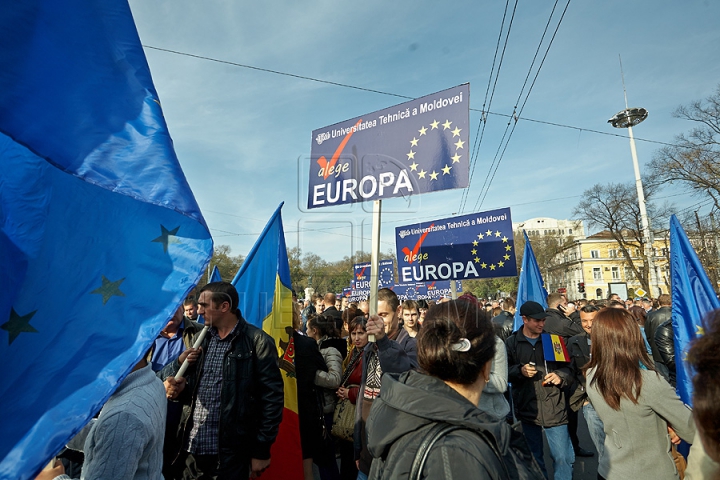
[(354, 380)]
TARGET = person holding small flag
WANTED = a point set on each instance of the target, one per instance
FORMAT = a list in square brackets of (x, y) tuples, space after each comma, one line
[(539, 369)]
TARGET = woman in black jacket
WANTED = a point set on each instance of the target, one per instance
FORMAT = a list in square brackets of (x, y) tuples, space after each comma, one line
[(455, 350)]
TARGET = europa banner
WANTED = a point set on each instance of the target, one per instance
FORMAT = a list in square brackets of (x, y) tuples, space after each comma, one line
[(416, 147), (427, 291), (479, 245)]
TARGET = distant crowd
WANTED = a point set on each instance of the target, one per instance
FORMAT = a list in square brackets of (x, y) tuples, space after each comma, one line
[(418, 390)]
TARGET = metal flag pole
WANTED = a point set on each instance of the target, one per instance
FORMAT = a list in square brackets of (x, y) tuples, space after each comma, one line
[(374, 261)]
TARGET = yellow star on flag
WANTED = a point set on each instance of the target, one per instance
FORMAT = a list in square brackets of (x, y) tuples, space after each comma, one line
[(446, 170), (477, 260), (508, 248), (506, 256), (501, 264), (475, 243), (413, 166), (413, 142), (481, 236), (492, 266), (456, 158), (504, 239), (473, 251), (456, 132), (700, 331), (488, 233), (497, 234), (434, 124), (421, 174), (446, 125), (434, 175), (423, 131), (459, 144), (483, 265)]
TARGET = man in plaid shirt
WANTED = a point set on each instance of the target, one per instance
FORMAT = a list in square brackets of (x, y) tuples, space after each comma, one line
[(232, 395)]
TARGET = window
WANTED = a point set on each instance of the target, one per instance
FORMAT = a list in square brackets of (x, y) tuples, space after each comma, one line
[(569, 231), (594, 254), (597, 274), (612, 253), (598, 293), (615, 273)]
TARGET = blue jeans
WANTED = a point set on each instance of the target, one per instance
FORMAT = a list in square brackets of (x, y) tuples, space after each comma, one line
[(561, 449), (595, 426), (362, 476)]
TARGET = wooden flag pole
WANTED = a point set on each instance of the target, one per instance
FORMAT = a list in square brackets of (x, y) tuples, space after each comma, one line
[(374, 261)]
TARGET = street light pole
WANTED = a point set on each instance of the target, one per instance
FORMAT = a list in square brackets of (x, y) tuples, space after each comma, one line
[(628, 118)]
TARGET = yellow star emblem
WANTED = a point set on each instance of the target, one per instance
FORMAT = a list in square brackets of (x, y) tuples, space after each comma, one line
[(497, 234), (421, 174), (508, 248), (481, 236), (456, 132), (700, 331), (501, 264), (475, 243), (477, 259), (492, 266), (433, 175), (446, 125), (423, 131), (434, 124), (488, 233), (456, 158), (446, 170), (483, 265), (506, 256), (473, 251), (410, 155), (504, 239), (413, 166), (459, 144), (413, 142)]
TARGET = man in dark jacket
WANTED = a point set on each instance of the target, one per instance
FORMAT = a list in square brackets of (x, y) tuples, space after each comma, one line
[(232, 394), (557, 322), (538, 392), (665, 344), (331, 311), (654, 319), (503, 323)]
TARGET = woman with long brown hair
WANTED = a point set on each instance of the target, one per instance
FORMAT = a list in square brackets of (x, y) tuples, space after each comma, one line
[(641, 414)]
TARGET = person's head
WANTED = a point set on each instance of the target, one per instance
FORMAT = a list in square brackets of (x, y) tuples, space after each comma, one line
[(348, 314), (296, 317), (587, 315), (294, 296), (508, 305), (704, 356), (422, 310), (614, 297), (496, 311), (456, 343), (344, 303), (364, 306), (319, 304), (218, 301), (617, 352), (175, 321), (629, 303), (571, 308), (647, 304), (410, 314), (190, 307), (580, 303), (555, 299), (533, 316), (321, 326), (387, 309), (664, 300), (616, 304), (329, 300), (358, 334), (639, 314)]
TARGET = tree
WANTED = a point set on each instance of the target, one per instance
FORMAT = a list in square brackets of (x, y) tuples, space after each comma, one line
[(226, 263), (298, 278), (694, 160), (614, 208)]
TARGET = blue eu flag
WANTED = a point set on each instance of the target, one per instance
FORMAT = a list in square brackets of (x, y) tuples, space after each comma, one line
[(100, 235), (693, 297), (530, 285)]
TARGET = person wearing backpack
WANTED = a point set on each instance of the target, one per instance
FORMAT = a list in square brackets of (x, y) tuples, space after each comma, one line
[(427, 424)]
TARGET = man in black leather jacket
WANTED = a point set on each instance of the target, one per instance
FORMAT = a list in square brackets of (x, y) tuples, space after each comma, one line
[(665, 345), (652, 322), (232, 394), (504, 322)]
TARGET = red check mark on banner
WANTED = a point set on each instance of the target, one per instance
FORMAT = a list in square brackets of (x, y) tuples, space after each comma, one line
[(322, 161), (431, 286), (416, 248), (361, 272)]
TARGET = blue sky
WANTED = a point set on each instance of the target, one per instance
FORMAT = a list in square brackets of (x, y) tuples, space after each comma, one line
[(243, 136)]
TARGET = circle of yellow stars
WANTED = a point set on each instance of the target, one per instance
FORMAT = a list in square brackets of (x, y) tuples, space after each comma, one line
[(490, 234), (435, 125)]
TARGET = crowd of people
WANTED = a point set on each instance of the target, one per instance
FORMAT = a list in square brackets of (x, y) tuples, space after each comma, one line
[(420, 390)]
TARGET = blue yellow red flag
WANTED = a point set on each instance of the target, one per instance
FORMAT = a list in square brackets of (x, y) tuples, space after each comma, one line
[(100, 235), (264, 286), (554, 349), (693, 297), (530, 284)]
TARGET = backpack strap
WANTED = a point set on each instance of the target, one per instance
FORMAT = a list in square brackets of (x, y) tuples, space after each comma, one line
[(435, 433)]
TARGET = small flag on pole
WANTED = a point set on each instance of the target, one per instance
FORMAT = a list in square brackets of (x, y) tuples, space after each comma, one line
[(554, 348), (530, 285)]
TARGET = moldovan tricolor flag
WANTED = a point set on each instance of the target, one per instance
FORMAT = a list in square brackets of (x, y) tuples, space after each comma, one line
[(554, 349), (263, 284)]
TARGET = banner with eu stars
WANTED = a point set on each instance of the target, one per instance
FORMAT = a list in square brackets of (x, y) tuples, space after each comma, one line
[(426, 291), (479, 245), (419, 146), (360, 283)]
